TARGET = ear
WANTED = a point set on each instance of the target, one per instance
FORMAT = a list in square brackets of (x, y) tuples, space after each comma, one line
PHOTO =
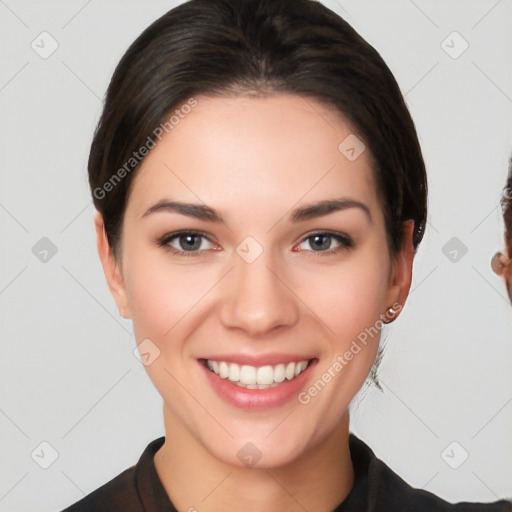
[(401, 276), (499, 264), (111, 267)]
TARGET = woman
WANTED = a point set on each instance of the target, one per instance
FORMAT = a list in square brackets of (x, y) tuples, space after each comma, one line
[(260, 194)]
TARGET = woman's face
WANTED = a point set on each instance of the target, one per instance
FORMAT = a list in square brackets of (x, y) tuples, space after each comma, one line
[(253, 290)]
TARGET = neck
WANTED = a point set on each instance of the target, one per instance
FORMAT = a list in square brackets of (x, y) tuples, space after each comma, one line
[(319, 479)]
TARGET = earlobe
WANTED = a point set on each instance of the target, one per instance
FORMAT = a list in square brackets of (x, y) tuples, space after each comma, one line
[(402, 274), (111, 267)]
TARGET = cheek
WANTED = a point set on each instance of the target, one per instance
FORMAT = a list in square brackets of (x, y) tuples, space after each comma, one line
[(162, 298), (160, 293), (348, 298), (350, 305)]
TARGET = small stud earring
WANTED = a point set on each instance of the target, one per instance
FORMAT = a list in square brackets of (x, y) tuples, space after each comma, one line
[(390, 315)]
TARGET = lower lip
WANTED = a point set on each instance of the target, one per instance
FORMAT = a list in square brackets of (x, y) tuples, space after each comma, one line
[(258, 398)]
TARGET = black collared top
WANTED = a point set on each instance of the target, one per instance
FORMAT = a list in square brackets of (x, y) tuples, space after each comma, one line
[(376, 489)]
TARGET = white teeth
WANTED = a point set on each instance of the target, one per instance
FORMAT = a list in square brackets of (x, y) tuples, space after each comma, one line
[(300, 367), (290, 371), (234, 372), (223, 370), (252, 377), (215, 366), (279, 375), (248, 375), (265, 375)]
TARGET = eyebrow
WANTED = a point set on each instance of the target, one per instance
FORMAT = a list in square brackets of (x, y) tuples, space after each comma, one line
[(311, 211), (328, 206)]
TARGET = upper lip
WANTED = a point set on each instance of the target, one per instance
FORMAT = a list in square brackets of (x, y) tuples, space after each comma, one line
[(259, 360)]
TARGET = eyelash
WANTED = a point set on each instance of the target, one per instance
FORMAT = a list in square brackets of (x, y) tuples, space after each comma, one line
[(345, 243)]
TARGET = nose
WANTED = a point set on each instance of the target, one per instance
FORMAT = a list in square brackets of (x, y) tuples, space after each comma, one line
[(257, 299)]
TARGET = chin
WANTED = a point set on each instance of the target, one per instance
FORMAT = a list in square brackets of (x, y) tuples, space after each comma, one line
[(258, 454)]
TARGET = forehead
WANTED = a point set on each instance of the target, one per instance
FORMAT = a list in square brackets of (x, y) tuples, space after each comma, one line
[(255, 152)]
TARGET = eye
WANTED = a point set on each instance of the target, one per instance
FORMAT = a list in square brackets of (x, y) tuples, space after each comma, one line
[(185, 243), (322, 242)]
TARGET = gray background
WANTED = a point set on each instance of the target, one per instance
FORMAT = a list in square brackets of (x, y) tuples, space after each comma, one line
[(68, 374)]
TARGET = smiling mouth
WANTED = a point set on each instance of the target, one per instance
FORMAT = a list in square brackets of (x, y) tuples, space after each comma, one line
[(252, 377)]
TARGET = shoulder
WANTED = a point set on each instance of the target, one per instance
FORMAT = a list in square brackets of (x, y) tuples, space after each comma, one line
[(134, 490), (387, 491), (399, 495), (120, 493)]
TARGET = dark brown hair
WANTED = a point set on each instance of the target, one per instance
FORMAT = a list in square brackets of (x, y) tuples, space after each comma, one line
[(230, 47)]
